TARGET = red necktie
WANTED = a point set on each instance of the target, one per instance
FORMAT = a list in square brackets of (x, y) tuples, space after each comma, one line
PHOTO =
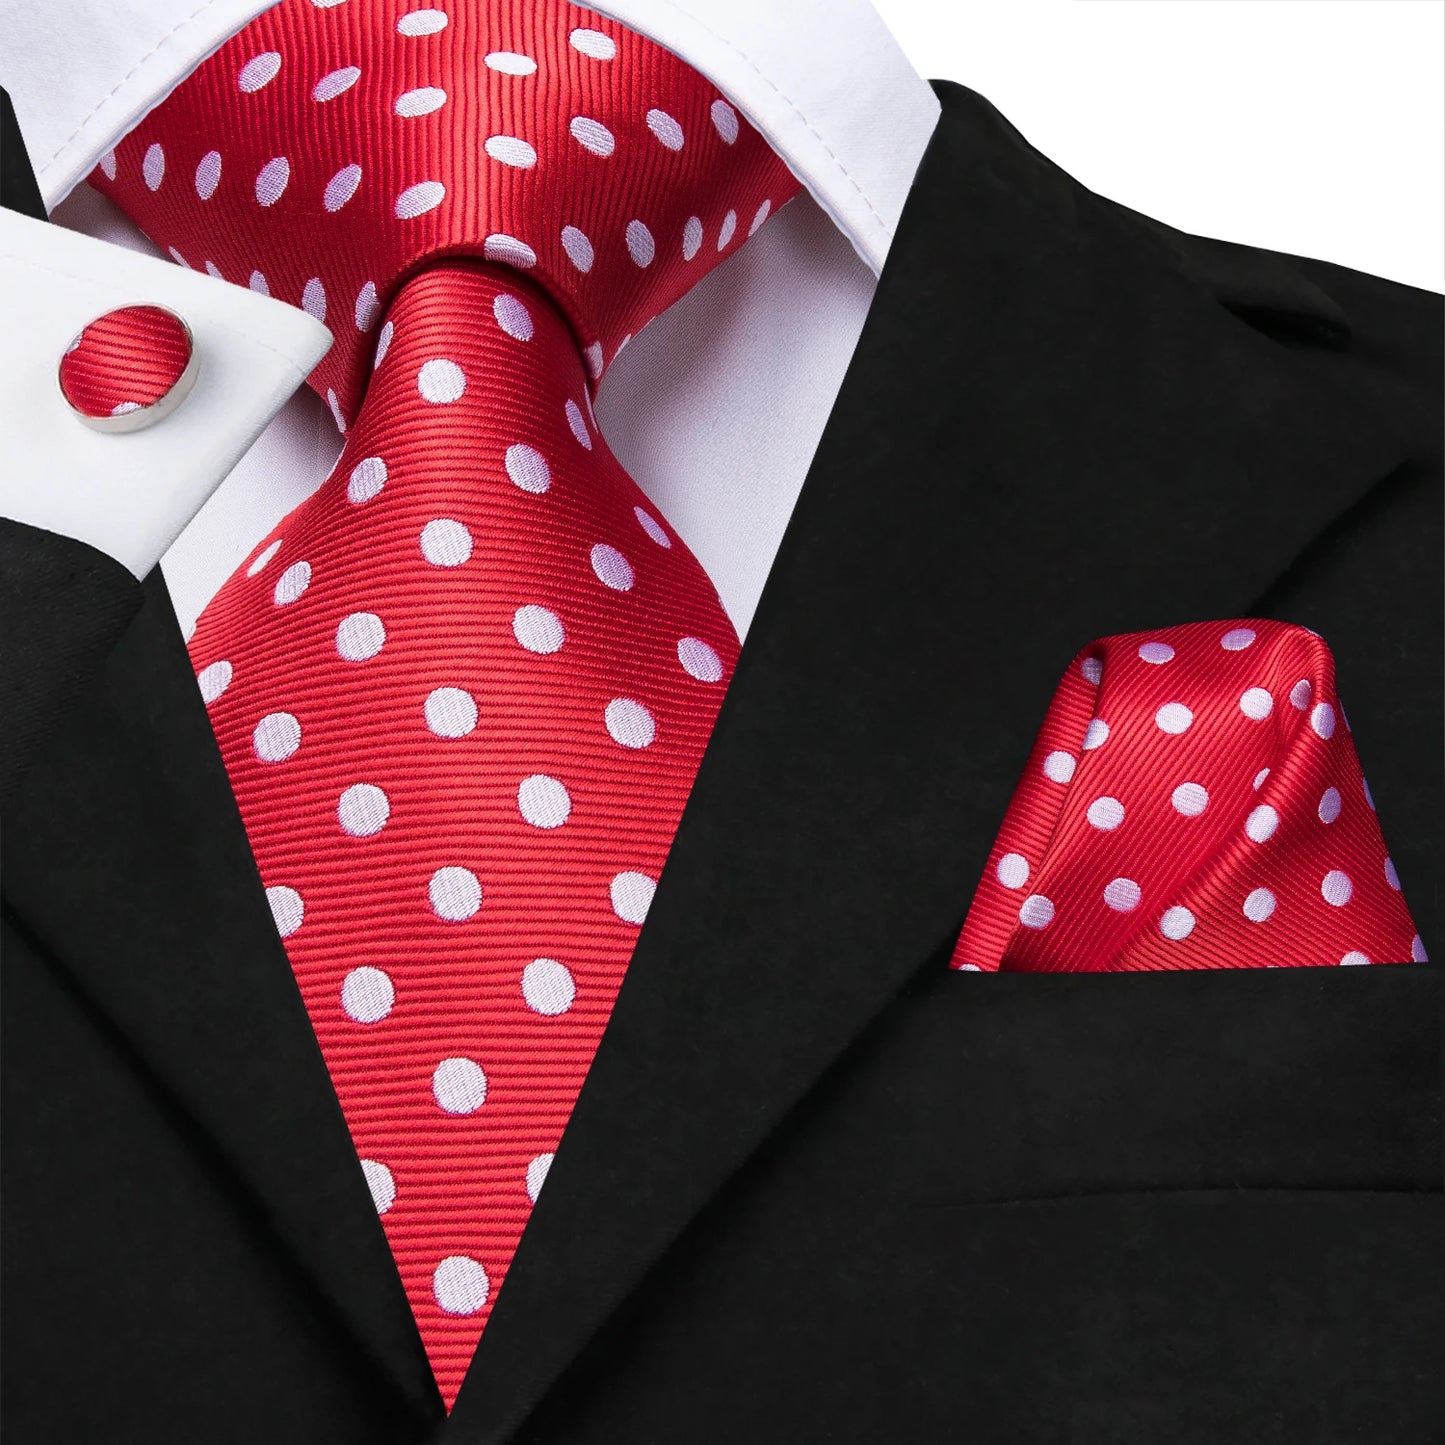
[(463, 690), (1193, 800)]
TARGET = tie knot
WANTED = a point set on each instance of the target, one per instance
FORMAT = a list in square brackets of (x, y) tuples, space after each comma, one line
[(329, 150)]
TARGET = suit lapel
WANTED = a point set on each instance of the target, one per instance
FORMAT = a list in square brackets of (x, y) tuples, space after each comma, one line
[(161, 921), (1049, 432)]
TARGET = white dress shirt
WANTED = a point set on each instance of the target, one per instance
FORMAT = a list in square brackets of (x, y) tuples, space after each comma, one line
[(715, 409)]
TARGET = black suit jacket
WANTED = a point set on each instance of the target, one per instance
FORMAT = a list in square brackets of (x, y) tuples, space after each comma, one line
[(817, 1187)]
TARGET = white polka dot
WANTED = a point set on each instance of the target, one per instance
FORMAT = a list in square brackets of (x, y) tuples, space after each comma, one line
[(578, 248), (362, 810), (665, 128), (1417, 950), (258, 71), (367, 995), (313, 298), (1261, 823), (1190, 799), (691, 238), (441, 382), (725, 120), (1122, 895), (341, 187), (509, 251), (213, 681), (292, 583), (593, 356), (272, 180), (336, 413), (509, 62), (450, 712), (153, 166), (1369, 796), (107, 164), (632, 896), (1259, 905), (640, 245), (460, 1085), (612, 568), (528, 468), (629, 723), (511, 150), (537, 1172), (1106, 814), (1391, 876), (592, 135), (1095, 735), (699, 660), (368, 477), (422, 22), (459, 1284), (277, 736), (364, 312), (1259, 778), (1237, 639), (263, 557), (652, 527), (456, 894), (258, 284), (1093, 670), (360, 636), (513, 317), (578, 424), (1322, 720), (543, 801), (1173, 718), (726, 230), (1336, 888), (538, 629), (445, 543), (338, 82), (548, 987), (1256, 703), (287, 909), (1012, 870), (383, 342), (1330, 804), (1300, 694), (759, 216), (1156, 652), (180, 261), (1059, 767), (1354, 957), (208, 175), (1036, 912), (593, 43), (381, 1183), (1177, 923), (417, 200), (423, 101)]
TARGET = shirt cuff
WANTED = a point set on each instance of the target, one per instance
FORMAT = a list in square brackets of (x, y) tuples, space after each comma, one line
[(130, 494)]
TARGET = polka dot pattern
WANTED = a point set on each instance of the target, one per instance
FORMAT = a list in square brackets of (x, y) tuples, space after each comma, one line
[(1215, 829), (463, 690)]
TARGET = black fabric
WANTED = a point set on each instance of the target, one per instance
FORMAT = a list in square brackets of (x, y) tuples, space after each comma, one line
[(18, 188), (817, 1186)]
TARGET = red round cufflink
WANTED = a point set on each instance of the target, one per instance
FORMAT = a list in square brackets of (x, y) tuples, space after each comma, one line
[(129, 368)]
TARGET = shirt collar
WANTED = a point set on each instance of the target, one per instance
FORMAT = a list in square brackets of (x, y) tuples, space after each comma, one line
[(823, 80)]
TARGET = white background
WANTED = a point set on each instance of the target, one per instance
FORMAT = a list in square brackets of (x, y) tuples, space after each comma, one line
[(1310, 126)]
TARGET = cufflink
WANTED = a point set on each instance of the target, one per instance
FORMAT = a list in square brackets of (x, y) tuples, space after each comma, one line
[(129, 368)]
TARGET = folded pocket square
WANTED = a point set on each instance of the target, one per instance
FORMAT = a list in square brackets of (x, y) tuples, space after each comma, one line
[(1193, 800)]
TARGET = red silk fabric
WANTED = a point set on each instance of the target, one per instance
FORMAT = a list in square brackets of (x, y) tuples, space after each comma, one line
[(1193, 800), (463, 690), (124, 360)]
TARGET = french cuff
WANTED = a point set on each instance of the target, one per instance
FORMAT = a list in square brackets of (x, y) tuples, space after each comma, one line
[(131, 493)]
